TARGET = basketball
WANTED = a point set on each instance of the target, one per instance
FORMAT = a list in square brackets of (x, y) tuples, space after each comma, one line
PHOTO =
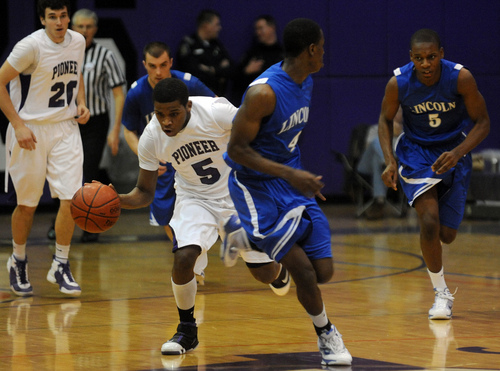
[(95, 207)]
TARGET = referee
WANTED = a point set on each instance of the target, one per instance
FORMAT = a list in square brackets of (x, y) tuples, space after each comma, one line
[(101, 73)]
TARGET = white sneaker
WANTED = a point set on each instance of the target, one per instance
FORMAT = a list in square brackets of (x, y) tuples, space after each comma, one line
[(235, 239), (332, 349), (60, 274), (443, 302), (18, 276)]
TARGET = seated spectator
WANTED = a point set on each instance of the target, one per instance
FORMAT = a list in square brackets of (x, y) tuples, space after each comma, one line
[(203, 55), (265, 51), (372, 164)]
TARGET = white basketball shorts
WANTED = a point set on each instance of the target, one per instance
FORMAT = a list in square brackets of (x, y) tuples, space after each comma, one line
[(200, 222), (58, 157)]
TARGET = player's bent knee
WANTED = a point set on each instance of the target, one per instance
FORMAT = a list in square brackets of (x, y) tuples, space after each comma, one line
[(263, 272), (324, 269), (447, 235), (185, 258)]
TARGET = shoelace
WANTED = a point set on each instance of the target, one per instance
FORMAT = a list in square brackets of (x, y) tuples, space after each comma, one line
[(333, 343), (446, 294), (21, 269), (65, 271)]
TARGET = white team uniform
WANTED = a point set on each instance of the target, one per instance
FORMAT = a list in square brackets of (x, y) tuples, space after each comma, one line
[(44, 96), (203, 202)]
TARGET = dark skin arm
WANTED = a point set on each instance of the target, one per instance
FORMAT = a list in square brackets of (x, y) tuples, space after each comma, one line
[(143, 193), (390, 106), (259, 103), (476, 108)]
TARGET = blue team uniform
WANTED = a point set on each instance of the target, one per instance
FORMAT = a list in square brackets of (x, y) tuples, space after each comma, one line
[(137, 112), (274, 214), (435, 118)]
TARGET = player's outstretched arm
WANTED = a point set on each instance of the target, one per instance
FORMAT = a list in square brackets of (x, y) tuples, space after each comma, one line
[(143, 193)]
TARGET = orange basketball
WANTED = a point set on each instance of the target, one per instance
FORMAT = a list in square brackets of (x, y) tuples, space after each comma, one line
[(95, 207)]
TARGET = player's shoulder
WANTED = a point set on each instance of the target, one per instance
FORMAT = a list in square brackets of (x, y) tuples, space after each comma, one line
[(208, 101), (138, 85), (184, 76), (76, 36)]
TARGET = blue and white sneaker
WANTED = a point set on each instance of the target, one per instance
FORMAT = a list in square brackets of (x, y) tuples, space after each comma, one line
[(235, 239), (18, 275), (60, 274), (443, 303), (332, 349)]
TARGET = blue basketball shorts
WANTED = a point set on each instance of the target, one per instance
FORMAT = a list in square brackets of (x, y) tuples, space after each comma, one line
[(162, 207), (276, 216), (417, 177)]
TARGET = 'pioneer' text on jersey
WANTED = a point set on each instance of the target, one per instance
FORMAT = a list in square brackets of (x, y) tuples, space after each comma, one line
[(63, 68), (195, 148)]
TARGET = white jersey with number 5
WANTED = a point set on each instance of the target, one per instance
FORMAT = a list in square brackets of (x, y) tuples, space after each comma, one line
[(196, 151), (46, 90)]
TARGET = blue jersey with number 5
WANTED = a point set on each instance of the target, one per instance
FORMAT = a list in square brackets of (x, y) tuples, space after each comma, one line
[(432, 114)]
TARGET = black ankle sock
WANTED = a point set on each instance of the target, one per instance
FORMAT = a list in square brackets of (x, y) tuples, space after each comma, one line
[(320, 330), (186, 315)]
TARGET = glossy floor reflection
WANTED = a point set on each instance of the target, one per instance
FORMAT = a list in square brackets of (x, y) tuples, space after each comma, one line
[(378, 299)]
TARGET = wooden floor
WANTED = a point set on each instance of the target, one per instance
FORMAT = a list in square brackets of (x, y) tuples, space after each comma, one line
[(378, 299)]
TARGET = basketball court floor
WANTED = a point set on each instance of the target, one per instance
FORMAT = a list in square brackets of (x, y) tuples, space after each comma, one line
[(378, 299)]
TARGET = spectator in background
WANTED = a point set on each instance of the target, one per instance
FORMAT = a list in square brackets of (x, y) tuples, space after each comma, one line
[(203, 55), (265, 51), (372, 163), (101, 74)]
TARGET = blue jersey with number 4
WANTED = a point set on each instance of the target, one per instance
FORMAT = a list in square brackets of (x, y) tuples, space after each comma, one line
[(279, 133)]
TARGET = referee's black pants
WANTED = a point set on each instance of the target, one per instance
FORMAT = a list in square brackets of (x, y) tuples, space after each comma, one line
[(94, 137)]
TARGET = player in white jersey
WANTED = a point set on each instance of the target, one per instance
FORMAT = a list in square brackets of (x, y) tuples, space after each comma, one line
[(192, 134), (45, 106)]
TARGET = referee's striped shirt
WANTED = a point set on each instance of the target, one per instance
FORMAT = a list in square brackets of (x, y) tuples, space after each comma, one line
[(101, 73)]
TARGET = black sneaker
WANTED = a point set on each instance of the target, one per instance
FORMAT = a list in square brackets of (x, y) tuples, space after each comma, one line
[(184, 340)]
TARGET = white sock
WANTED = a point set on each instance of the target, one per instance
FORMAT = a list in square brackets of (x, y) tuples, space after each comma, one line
[(62, 253), (19, 251), (321, 320), (185, 294), (437, 279)]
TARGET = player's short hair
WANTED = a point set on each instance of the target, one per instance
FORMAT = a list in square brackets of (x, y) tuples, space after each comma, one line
[(85, 13), (155, 49), (299, 34), (171, 89), (206, 16), (52, 4), (425, 35)]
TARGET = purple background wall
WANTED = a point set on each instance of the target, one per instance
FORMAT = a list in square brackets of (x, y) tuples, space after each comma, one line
[(365, 41)]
